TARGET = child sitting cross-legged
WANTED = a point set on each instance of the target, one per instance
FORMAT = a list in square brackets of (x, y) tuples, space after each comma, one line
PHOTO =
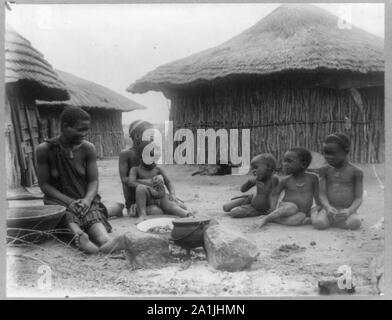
[(300, 190), (262, 168), (341, 187), (150, 181)]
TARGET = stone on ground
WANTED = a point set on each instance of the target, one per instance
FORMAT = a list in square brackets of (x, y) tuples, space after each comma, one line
[(144, 250), (228, 250)]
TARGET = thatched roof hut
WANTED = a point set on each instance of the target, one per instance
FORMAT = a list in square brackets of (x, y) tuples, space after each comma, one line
[(292, 78), (28, 67), (28, 76), (104, 105)]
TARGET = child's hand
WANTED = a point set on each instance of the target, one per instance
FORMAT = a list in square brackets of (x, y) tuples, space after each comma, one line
[(342, 215), (172, 197), (331, 211), (158, 182), (253, 180)]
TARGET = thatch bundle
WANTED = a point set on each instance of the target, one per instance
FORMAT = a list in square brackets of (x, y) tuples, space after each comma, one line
[(292, 78), (104, 106), (291, 38), (27, 66)]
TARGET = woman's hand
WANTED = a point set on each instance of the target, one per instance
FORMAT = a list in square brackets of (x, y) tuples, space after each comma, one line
[(80, 206), (85, 205), (74, 207)]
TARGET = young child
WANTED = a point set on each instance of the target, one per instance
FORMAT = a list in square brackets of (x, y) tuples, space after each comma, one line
[(341, 187), (149, 180), (300, 188), (262, 168)]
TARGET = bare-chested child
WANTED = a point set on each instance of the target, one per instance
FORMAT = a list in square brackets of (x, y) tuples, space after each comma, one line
[(262, 168), (150, 180), (300, 188), (341, 187)]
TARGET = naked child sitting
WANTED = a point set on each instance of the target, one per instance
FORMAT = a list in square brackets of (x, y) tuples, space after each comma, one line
[(262, 168), (150, 181), (300, 188), (341, 187)]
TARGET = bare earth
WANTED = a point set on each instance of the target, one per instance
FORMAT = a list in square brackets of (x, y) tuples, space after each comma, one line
[(295, 271)]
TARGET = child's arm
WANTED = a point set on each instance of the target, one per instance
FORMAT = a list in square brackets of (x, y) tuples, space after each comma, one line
[(275, 193), (358, 189), (316, 188), (134, 179), (248, 184), (169, 185), (323, 193)]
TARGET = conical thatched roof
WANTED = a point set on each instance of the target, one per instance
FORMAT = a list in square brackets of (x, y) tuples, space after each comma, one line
[(292, 38), (27, 66), (88, 94)]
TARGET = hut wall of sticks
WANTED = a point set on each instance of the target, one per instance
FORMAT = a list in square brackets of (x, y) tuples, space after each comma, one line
[(292, 78), (104, 106), (28, 76)]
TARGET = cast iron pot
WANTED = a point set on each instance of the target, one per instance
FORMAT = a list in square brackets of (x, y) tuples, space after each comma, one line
[(188, 233)]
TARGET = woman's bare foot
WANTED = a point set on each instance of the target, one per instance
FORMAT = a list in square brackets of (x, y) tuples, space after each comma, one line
[(83, 243), (113, 245), (261, 222)]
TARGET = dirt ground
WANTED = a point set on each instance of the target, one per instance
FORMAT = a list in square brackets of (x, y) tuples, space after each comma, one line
[(317, 254)]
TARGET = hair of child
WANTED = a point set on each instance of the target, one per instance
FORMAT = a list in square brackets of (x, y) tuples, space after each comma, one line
[(137, 127), (268, 159), (304, 155), (341, 139)]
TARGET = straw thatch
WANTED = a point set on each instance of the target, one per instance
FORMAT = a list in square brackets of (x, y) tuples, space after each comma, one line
[(27, 66), (296, 38), (87, 94)]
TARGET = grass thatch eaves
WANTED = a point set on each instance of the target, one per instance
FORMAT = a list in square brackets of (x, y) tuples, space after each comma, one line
[(292, 38), (87, 94), (27, 66)]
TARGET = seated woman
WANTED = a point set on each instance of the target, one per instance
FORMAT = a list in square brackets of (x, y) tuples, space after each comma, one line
[(68, 176), (131, 158)]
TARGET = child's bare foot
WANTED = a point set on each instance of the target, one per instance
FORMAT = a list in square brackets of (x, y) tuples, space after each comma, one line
[(261, 222), (131, 211), (83, 242)]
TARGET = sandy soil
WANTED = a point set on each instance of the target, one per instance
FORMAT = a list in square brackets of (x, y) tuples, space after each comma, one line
[(317, 254)]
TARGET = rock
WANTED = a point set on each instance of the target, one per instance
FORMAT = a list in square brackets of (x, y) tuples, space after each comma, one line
[(313, 243), (228, 249), (145, 250)]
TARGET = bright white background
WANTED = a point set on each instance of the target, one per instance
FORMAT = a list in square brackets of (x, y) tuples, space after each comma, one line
[(116, 44)]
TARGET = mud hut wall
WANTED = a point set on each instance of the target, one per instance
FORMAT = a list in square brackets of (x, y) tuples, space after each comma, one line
[(286, 114), (105, 131)]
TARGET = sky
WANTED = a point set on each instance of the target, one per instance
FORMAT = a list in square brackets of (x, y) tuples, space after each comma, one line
[(116, 44)]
